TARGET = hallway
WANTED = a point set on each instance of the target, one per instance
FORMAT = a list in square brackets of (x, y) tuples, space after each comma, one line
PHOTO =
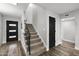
[(30, 24)]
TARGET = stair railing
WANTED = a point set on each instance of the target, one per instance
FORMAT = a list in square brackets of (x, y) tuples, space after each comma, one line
[(27, 37)]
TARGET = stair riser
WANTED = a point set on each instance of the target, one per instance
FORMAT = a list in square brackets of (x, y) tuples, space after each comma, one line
[(38, 53), (32, 37), (33, 33), (30, 29), (35, 41), (36, 46)]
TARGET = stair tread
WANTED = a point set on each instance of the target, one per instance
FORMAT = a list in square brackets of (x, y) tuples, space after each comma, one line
[(34, 35), (34, 44), (31, 35), (37, 50), (35, 39), (32, 31)]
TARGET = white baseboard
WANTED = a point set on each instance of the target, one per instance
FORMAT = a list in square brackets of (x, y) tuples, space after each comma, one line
[(24, 47), (57, 43), (77, 48), (47, 49), (68, 40)]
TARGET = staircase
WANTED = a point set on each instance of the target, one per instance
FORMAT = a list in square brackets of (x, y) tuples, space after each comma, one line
[(36, 46)]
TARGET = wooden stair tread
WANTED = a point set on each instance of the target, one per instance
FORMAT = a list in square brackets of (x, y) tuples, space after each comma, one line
[(36, 44), (33, 32), (35, 39), (37, 51)]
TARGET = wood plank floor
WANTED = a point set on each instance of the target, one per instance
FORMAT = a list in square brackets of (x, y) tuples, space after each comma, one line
[(11, 49), (14, 49), (61, 51)]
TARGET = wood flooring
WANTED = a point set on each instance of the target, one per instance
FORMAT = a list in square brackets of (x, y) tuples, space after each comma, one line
[(61, 51), (14, 49), (11, 49)]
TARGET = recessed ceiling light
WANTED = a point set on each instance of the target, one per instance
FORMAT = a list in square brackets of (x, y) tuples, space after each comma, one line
[(30, 4)]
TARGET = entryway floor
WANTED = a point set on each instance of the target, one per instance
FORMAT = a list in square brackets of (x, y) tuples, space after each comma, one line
[(11, 49), (61, 51), (14, 49)]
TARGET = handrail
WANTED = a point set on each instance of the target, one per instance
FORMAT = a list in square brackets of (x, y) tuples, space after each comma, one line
[(27, 34)]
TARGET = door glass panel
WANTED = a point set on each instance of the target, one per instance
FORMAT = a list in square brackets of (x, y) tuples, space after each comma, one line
[(12, 30), (12, 24), (12, 36)]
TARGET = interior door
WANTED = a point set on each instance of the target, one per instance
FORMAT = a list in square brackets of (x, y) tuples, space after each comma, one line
[(51, 32), (12, 30)]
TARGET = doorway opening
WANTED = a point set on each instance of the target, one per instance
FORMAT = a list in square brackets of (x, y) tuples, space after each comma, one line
[(51, 32), (68, 32)]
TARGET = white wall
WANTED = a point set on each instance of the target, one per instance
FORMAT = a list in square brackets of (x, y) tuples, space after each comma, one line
[(41, 24), (28, 13), (12, 13), (0, 28), (9, 9), (10, 18), (68, 28), (76, 15)]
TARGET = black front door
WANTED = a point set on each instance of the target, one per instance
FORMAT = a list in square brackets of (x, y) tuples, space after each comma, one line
[(51, 32), (11, 31)]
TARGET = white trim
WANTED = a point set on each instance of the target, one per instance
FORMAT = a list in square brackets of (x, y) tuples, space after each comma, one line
[(69, 41), (48, 34), (57, 43), (47, 49), (67, 19), (77, 48), (39, 36)]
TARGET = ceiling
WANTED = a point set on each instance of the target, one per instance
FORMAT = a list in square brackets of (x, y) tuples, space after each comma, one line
[(10, 9), (23, 6), (60, 8)]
